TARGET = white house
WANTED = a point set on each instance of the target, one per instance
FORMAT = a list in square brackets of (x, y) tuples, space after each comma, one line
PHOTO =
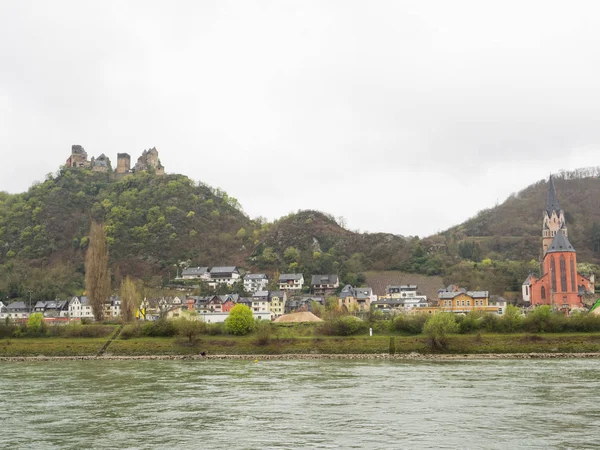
[(80, 308), (219, 317), (291, 282), (255, 282), (260, 302), (17, 310), (195, 273), (3, 311), (407, 292), (112, 308), (223, 275)]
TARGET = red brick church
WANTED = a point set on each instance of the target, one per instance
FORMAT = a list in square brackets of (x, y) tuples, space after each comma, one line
[(559, 285)]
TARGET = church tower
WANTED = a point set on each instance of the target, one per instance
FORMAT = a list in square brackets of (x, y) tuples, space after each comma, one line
[(554, 219)]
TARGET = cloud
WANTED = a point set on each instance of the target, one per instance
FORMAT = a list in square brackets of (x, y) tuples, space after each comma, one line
[(403, 117)]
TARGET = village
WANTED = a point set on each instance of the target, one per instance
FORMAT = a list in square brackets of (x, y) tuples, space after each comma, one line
[(558, 285)]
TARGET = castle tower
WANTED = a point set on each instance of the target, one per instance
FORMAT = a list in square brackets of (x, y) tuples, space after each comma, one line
[(78, 157), (123, 162), (554, 218)]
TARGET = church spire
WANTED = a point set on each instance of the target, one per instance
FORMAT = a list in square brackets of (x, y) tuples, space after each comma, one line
[(552, 200)]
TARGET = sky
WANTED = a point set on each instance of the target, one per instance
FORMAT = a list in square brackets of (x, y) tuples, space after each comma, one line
[(405, 117)]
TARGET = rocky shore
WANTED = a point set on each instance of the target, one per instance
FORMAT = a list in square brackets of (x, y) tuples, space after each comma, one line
[(295, 357)]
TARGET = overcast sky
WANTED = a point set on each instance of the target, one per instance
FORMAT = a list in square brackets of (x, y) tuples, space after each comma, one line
[(405, 117)]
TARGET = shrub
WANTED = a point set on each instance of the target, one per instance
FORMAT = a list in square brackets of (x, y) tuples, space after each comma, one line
[(469, 323), (215, 329), (438, 326), (263, 332), (584, 322), (7, 329), (159, 328), (240, 320), (87, 331), (410, 323), (189, 328), (130, 331), (392, 349), (512, 320), (543, 320), (35, 324), (344, 326)]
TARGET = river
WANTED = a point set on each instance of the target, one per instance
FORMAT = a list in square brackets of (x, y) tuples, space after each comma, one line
[(331, 404)]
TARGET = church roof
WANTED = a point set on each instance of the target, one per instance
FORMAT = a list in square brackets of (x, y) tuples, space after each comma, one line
[(551, 199), (560, 243)]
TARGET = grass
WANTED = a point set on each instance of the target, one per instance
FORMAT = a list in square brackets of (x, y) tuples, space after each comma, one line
[(229, 345)]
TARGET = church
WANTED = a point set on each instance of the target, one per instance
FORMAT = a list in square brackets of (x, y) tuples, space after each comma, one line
[(559, 284)]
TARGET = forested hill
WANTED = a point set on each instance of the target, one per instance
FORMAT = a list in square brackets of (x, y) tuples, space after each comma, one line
[(154, 223), (512, 230), (151, 222)]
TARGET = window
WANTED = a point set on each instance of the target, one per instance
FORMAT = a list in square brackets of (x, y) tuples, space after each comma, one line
[(563, 274), (573, 281), (543, 292), (553, 273)]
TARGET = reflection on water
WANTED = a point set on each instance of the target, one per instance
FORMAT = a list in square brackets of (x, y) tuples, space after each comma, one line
[(301, 404)]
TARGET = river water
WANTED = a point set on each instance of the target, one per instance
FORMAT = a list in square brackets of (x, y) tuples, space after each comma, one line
[(331, 404)]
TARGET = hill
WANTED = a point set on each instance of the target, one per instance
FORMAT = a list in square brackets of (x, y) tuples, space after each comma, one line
[(512, 230)]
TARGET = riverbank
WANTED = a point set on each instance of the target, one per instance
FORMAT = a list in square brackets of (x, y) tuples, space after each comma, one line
[(290, 357), (249, 347)]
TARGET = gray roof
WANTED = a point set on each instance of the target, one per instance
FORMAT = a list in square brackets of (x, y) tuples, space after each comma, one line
[(261, 294), (223, 269), (256, 276), (290, 276), (560, 243), (324, 279), (278, 294), (195, 271), (472, 294), (360, 293), (40, 305), (552, 200), (17, 305)]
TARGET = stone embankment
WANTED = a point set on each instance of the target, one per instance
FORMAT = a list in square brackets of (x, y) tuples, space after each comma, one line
[(375, 356)]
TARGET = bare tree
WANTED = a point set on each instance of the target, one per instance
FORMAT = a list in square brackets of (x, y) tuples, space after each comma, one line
[(130, 299), (97, 275)]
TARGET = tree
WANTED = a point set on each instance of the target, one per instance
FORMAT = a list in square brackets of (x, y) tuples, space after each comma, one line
[(97, 275), (291, 254), (35, 323), (130, 299), (240, 320), (438, 326), (189, 328)]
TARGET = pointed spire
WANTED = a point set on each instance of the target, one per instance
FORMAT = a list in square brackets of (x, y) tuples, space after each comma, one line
[(551, 200)]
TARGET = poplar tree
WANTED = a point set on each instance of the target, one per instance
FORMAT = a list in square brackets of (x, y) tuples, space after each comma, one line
[(97, 275), (129, 299)]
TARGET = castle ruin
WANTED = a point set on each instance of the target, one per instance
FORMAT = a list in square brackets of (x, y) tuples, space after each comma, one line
[(149, 161)]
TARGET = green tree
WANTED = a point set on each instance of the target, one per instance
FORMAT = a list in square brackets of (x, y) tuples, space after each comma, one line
[(438, 326), (97, 275), (36, 324), (291, 254), (130, 299), (512, 320), (240, 320)]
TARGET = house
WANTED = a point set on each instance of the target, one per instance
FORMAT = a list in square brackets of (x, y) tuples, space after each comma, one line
[(356, 299), (220, 317), (2, 311), (255, 282), (216, 303), (247, 301), (393, 304), (302, 303), (324, 285), (461, 301), (196, 273), (80, 308), (223, 275), (277, 303), (291, 282), (53, 309), (112, 308), (17, 310), (406, 291), (260, 301)]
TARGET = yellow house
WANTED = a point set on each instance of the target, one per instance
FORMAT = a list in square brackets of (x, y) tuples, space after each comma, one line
[(461, 301), (277, 303)]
